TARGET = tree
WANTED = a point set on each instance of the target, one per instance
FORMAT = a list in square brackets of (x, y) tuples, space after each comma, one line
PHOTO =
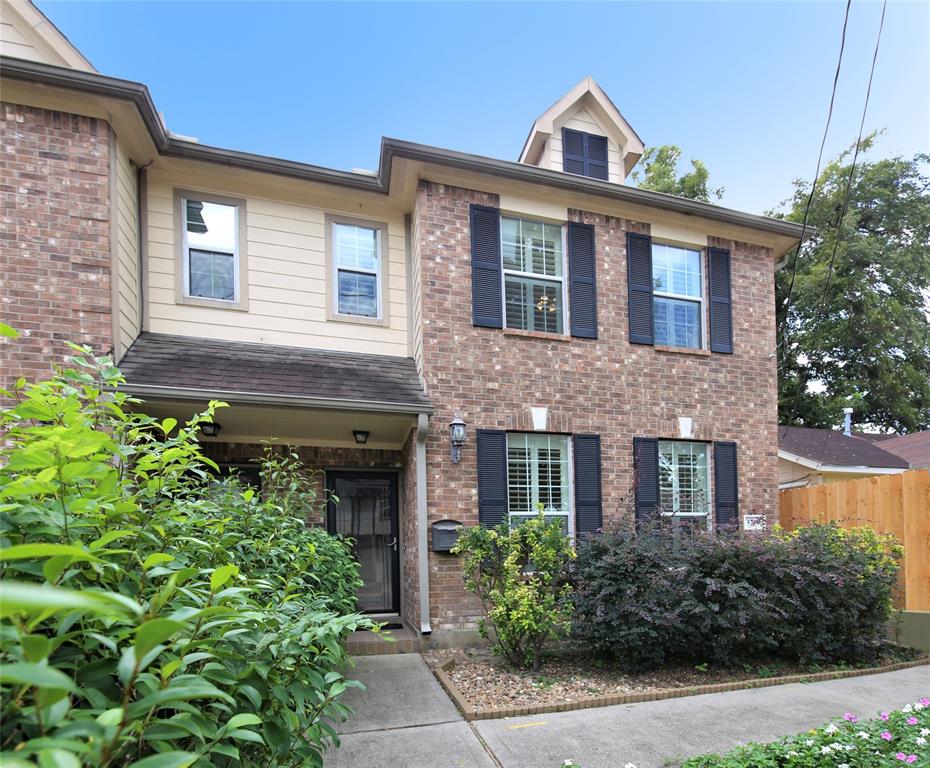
[(859, 334), (659, 173)]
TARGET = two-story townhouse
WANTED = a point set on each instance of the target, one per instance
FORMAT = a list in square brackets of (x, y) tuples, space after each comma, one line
[(603, 350)]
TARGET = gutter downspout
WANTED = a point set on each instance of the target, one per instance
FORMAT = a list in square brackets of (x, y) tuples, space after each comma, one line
[(422, 553)]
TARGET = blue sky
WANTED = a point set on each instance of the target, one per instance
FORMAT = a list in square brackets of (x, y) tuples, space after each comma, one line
[(743, 86)]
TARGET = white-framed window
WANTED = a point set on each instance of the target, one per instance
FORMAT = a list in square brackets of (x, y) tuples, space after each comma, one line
[(678, 296), (357, 269), (533, 260), (539, 476), (684, 479), (210, 249)]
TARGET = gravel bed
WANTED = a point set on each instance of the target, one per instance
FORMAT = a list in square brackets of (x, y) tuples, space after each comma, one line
[(486, 681)]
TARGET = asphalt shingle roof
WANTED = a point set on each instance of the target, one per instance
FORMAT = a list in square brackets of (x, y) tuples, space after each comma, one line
[(914, 448), (831, 447), (163, 360)]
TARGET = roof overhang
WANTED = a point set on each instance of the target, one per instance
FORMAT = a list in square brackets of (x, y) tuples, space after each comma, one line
[(129, 107), (819, 466)]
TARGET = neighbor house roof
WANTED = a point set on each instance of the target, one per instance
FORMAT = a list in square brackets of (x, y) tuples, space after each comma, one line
[(828, 449), (162, 365), (914, 448)]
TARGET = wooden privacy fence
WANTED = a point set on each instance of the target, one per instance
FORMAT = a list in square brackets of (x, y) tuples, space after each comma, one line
[(897, 504)]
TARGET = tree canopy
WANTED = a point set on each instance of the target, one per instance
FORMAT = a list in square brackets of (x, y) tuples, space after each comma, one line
[(658, 171), (859, 335)]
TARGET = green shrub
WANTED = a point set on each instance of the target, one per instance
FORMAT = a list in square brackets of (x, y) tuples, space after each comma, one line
[(149, 618), (818, 595), (520, 575), (894, 738)]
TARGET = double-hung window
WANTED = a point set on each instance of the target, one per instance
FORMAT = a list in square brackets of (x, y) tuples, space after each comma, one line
[(684, 479), (538, 478), (210, 232), (356, 251), (678, 296), (533, 267)]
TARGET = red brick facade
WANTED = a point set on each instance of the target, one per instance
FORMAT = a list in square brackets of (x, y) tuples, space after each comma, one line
[(606, 386), (54, 237)]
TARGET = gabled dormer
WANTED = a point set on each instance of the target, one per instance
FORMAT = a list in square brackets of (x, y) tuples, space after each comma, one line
[(584, 133)]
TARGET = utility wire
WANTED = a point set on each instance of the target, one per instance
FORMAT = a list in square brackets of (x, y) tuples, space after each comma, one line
[(810, 197)]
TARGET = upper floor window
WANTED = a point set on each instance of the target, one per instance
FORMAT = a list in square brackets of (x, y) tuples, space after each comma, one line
[(678, 296), (210, 249), (538, 477), (584, 154), (684, 479), (534, 290), (356, 250)]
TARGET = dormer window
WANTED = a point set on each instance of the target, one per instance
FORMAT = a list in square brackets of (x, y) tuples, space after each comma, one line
[(584, 154)]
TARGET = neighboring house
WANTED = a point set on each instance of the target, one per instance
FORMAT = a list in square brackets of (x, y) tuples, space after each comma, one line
[(610, 350), (913, 448), (816, 456)]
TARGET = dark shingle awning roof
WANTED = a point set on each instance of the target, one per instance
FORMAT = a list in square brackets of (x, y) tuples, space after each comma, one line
[(827, 446), (163, 364)]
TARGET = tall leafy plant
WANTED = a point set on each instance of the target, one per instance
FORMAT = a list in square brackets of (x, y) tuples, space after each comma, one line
[(147, 620)]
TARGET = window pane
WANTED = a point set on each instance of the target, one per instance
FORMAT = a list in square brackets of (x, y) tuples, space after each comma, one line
[(537, 473), (677, 323), (676, 270), (531, 246), (212, 275), (358, 294), (356, 247), (683, 481), (533, 305), (211, 226)]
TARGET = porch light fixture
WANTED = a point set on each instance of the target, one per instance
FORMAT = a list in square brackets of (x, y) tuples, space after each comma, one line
[(211, 429), (457, 438), (360, 435)]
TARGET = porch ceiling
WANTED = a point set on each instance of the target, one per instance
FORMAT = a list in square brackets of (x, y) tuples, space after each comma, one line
[(251, 423)]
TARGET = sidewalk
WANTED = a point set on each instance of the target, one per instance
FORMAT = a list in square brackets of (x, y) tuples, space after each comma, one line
[(405, 719)]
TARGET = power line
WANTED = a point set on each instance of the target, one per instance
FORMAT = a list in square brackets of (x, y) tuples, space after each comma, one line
[(810, 197), (852, 169)]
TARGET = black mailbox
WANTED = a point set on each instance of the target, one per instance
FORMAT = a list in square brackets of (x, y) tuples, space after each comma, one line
[(445, 534)]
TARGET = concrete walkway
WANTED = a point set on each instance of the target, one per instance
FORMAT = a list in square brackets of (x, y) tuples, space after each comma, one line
[(405, 719)]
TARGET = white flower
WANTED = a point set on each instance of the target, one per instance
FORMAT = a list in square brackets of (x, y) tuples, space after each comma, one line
[(809, 742), (831, 728), (792, 753), (925, 731), (843, 765), (909, 707), (918, 706), (863, 735), (825, 750), (629, 765), (920, 740)]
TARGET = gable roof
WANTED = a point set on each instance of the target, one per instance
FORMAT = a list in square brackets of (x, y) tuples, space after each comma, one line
[(606, 112), (162, 365), (826, 448), (28, 33), (914, 448)]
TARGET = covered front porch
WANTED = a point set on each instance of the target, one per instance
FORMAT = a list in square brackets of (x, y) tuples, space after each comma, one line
[(357, 423)]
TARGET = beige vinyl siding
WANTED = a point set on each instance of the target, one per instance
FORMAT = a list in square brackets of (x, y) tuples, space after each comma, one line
[(129, 302), (286, 272), (582, 120), (26, 33), (15, 43)]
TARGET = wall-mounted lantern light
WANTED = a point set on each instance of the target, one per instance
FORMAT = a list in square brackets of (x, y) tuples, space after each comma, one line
[(360, 435), (457, 438), (210, 429)]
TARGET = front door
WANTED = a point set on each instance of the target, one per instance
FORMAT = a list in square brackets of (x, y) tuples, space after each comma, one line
[(363, 507)]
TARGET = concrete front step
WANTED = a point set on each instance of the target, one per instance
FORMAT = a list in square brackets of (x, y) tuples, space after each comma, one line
[(389, 641)]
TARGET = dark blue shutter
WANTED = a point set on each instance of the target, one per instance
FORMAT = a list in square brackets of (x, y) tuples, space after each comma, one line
[(646, 468), (721, 313), (639, 273), (588, 504), (573, 151), (492, 476), (596, 156), (582, 289), (726, 488), (486, 300)]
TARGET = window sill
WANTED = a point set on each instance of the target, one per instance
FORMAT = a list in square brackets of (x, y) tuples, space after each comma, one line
[(536, 334), (357, 319), (683, 350), (199, 301)]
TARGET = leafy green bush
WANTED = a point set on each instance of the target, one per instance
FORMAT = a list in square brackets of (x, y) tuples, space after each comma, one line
[(149, 618), (894, 738), (521, 577), (817, 595)]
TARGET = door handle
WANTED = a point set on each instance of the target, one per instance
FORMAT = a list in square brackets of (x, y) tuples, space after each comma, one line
[(393, 544)]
